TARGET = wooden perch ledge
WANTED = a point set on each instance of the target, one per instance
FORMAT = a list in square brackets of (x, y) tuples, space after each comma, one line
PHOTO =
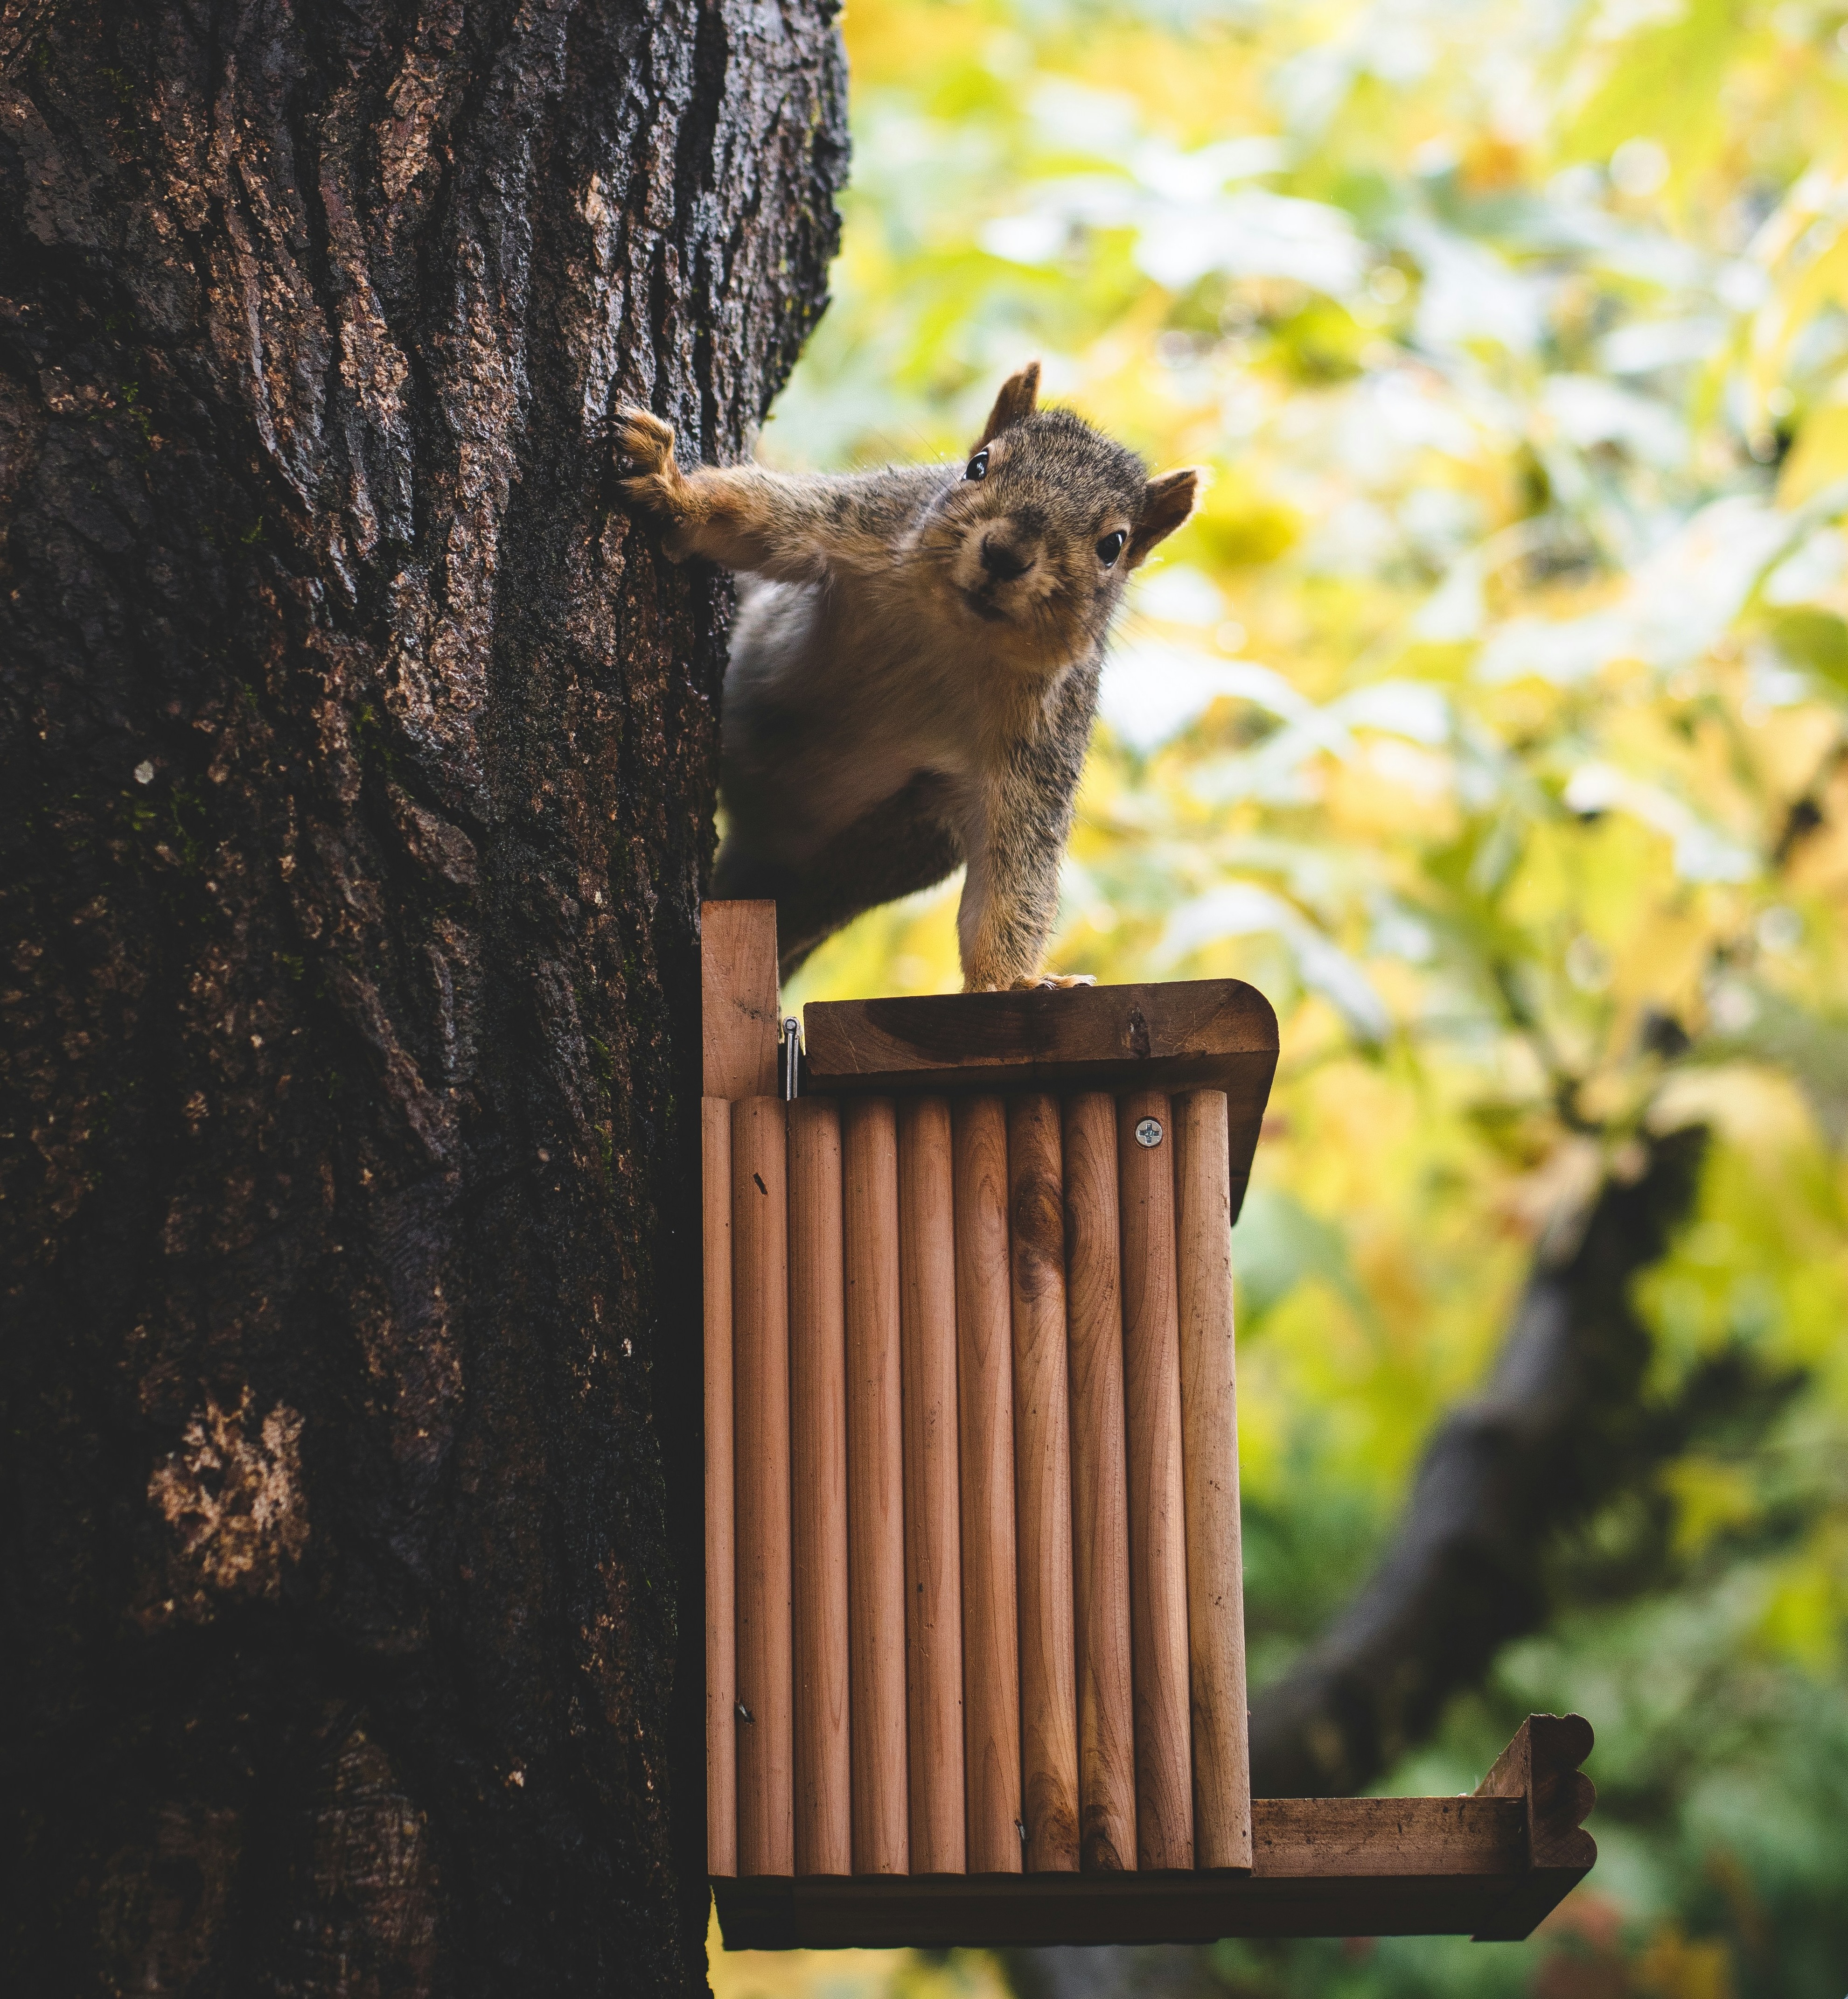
[(1489, 1866)]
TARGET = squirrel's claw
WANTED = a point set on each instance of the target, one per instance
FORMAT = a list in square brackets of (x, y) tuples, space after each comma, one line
[(1037, 981)]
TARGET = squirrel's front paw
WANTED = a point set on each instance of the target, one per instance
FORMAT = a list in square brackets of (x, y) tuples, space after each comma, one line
[(642, 440), (643, 446), (1037, 981)]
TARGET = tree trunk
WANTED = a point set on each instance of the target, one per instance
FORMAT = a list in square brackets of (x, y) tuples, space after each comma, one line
[(358, 770)]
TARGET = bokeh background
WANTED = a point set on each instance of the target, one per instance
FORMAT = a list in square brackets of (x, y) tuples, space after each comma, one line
[(1491, 717)]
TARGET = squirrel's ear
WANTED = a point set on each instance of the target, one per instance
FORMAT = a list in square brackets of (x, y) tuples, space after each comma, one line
[(1018, 393), (1166, 503)]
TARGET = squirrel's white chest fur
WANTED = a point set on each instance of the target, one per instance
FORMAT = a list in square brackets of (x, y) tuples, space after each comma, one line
[(839, 694)]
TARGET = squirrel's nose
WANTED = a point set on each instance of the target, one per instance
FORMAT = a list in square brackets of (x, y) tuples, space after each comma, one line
[(1002, 562)]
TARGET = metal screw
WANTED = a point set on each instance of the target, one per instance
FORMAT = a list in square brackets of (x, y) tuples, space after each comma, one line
[(1149, 1132), (745, 1714)]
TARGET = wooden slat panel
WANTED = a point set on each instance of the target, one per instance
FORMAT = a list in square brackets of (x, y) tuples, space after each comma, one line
[(760, 1365), (819, 1488), (985, 1451), (1100, 1532), (1216, 1621), (1043, 1486), (875, 1488), (738, 987), (1157, 1530), (722, 1668), (932, 1556), (1192, 1034)]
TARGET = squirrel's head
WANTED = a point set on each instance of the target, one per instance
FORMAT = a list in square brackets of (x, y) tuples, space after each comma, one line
[(1039, 535)]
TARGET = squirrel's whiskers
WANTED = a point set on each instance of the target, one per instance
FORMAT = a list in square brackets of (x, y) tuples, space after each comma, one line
[(912, 683)]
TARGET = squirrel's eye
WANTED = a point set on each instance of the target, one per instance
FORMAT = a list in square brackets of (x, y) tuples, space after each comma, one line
[(978, 464), (1111, 547)]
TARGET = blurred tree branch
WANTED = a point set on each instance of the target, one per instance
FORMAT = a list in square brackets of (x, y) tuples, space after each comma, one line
[(1562, 1428)]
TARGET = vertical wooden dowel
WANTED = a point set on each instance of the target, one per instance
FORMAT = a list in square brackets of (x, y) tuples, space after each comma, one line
[(932, 1562), (760, 1376), (1100, 1521), (1157, 1517), (818, 1390), (1216, 1619), (985, 1452), (875, 1488), (739, 1018), (1042, 1487), (721, 1674)]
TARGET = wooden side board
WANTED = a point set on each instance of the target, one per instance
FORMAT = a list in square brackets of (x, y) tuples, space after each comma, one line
[(1541, 1767), (1197, 1033), (1489, 1866)]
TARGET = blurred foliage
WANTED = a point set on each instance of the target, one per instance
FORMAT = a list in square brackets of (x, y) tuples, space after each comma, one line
[(1491, 717), (852, 1974)]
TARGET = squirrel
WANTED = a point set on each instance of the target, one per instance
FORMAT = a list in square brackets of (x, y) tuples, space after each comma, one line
[(914, 666)]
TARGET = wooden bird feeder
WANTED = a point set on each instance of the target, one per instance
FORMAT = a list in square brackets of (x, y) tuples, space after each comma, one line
[(974, 1621)]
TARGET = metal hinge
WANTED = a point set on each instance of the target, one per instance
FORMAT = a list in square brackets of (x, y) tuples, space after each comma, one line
[(789, 1059)]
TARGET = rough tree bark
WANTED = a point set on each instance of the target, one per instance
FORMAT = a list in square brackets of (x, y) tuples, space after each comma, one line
[(358, 769)]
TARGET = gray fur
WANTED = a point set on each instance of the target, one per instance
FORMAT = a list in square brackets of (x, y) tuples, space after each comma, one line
[(913, 683)]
